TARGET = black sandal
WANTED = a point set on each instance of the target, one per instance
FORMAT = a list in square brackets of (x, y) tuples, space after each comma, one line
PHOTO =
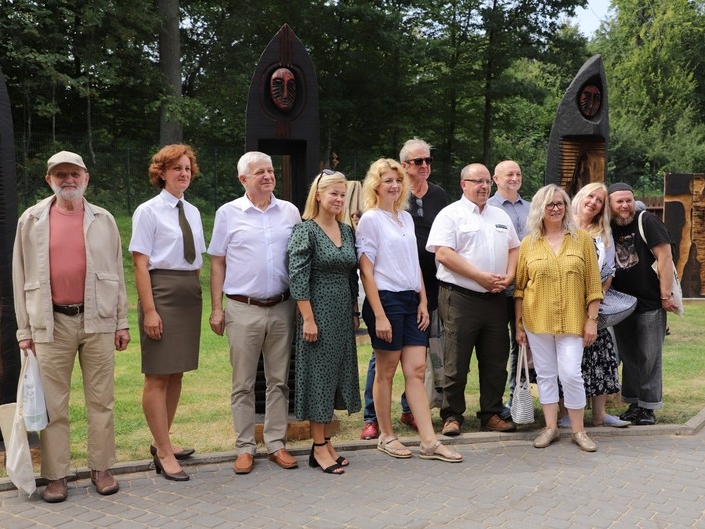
[(313, 463), (341, 460)]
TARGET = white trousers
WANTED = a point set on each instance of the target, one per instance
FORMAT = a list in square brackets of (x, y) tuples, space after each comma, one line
[(558, 356)]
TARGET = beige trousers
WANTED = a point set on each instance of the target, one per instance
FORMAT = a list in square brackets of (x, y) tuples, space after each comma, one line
[(252, 330), (56, 359)]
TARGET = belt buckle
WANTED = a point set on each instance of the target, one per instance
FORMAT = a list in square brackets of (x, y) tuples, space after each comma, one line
[(75, 309)]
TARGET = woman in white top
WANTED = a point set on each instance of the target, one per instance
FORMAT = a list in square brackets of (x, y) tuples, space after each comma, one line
[(167, 262), (591, 213), (395, 305)]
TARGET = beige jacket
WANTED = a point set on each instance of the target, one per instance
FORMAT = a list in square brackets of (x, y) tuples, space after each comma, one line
[(105, 298)]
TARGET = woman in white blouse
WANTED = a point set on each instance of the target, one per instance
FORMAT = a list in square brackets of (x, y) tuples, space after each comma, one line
[(395, 305), (167, 262)]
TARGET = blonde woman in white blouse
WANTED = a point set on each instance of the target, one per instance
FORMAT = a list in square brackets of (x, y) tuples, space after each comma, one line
[(395, 305)]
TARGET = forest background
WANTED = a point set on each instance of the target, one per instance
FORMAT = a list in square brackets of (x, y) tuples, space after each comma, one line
[(479, 79)]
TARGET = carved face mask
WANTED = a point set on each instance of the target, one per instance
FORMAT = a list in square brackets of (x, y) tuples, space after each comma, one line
[(590, 101), (282, 88)]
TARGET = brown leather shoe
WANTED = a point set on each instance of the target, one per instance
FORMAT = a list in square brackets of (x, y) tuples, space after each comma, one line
[(497, 424), (104, 482), (451, 428), (283, 458), (244, 463), (408, 419), (370, 431), (56, 491)]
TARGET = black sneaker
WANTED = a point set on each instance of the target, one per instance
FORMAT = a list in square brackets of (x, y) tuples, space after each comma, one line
[(631, 413), (645, 418)]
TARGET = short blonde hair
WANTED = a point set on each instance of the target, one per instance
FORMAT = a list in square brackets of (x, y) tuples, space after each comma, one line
[(374, 178), (600, 223), (319, 185), (534, 222)]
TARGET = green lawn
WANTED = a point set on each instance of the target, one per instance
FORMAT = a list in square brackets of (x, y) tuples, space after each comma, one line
[(204, 421)]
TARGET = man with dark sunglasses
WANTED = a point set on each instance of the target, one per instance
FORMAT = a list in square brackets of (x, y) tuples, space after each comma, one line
[(425, 201)]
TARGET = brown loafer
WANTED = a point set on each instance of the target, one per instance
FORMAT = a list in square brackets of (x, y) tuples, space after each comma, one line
[(104, 482), (497, 424), (56, 491), (283, 458), (451, 428), (244, 463)]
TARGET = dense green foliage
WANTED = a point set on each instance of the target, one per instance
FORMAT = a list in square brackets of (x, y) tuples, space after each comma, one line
[(479, 79)]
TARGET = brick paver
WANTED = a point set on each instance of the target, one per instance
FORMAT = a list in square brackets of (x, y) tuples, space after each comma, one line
[(643, 478)]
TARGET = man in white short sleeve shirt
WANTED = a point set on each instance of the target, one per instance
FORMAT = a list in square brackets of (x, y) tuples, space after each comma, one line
[(249, 266), (477, 247)]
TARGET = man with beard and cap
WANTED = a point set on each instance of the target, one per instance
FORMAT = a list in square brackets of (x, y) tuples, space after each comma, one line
[(640, 336), (477, 247), (70, 298)]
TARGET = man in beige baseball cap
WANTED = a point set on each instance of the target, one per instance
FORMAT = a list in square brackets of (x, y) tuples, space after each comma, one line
[(70, 298)]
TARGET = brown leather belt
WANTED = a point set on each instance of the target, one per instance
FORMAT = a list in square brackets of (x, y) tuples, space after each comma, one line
[(70, 310), (467, 291), (260, 302)]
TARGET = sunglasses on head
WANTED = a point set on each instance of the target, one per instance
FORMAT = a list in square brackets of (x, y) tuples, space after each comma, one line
[(328, 172), (420, 161)]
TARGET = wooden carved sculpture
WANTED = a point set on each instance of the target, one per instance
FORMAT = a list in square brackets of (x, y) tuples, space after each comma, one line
[(577, 148)]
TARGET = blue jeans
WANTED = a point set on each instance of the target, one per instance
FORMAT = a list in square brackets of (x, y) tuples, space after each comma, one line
[(369, 413), (640, 347)]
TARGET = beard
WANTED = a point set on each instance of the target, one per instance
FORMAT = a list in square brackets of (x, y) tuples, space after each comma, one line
[(620, 221), (69, 194)]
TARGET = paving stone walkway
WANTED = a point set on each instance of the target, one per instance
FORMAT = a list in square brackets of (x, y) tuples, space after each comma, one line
[(651, 478)]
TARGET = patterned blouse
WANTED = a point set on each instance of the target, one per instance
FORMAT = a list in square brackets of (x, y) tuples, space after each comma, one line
[(556, 289)]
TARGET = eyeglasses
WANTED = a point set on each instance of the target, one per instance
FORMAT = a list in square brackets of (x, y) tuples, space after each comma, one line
[(555, 205), (478, 182), (420, 161), (419, 207)]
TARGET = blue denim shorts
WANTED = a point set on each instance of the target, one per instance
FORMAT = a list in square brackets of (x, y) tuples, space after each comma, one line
[(401, 311)]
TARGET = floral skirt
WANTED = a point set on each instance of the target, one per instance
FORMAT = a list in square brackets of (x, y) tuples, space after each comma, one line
[(600, 366)]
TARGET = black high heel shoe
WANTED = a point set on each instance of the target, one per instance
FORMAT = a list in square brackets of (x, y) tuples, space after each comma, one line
[(184, 454), (179, 476), (328, 470), (341, 460)]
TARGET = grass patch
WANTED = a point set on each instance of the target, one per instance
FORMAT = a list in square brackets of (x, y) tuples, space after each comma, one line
[(204, 420)]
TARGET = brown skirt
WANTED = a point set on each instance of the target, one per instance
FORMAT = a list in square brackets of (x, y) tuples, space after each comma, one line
[(177, 298)]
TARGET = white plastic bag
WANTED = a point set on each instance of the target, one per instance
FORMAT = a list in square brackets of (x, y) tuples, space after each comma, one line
[(35, 409), (18, 458)]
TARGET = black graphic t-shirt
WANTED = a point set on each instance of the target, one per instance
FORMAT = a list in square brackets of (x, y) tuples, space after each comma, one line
[(633, 261)]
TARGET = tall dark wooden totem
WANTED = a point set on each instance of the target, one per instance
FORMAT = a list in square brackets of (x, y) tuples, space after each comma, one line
[(684, 216), (282, 112), (577, 148), (282, 119), (9, 351)]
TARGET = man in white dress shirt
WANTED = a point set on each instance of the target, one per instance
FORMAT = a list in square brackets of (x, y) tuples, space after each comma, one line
[(477, 247), (249, 266)]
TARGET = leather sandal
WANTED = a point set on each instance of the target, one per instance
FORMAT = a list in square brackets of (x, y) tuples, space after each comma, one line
[(400, 452), (433, 453)]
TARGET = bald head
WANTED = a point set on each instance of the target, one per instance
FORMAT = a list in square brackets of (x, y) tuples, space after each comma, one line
[(507, 176)]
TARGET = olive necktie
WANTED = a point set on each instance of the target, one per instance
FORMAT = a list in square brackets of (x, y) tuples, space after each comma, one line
[(189, 246)]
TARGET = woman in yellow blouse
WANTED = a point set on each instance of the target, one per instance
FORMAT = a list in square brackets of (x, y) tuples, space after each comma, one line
[(557, 297)]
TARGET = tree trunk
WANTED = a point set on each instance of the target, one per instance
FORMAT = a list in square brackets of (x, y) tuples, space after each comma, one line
[(170, 129)]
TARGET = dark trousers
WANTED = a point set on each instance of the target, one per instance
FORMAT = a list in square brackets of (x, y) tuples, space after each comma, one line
[(473, 320)]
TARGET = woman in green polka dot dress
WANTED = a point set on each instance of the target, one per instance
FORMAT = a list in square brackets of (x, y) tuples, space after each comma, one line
[(323, 280)]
